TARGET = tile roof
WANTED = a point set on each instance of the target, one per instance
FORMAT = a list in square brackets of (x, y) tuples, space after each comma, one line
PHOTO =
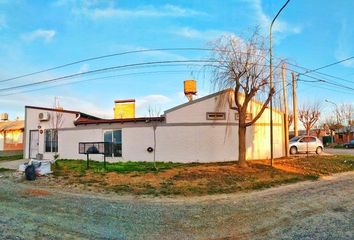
[(84, 121), (12, 125)]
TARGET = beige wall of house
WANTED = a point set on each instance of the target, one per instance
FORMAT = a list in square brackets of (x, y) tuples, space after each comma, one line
[(185, 136)]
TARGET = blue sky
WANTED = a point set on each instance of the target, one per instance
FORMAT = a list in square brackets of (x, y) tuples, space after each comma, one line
[(36, 35)]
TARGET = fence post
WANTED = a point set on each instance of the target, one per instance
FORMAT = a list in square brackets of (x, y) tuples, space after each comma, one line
[(104, 161), (87, 160)]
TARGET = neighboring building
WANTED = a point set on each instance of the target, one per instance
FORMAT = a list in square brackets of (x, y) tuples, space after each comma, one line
[(344, 135), (11, 134), (320, 133), (198, 131)]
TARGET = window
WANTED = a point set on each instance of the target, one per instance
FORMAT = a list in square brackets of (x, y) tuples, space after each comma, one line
[(215, 116), (308, 139), (51, 140), (114, 137)]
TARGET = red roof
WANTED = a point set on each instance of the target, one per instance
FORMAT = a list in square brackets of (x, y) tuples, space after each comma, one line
[(12, 125), (84, 121), (124, 101), (89, 119)]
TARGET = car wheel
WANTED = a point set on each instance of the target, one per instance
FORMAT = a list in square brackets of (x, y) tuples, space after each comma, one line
[(318, 150), (293, 150), (346, 146)]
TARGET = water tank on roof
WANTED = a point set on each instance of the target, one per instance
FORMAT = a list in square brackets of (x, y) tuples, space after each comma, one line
[(190, 89)]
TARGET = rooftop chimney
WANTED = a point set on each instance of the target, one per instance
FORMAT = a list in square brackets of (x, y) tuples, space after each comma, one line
[(124, 108)]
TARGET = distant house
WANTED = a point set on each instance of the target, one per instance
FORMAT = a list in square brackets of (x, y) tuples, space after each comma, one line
[(313, 132), (11, 135), (197, 131), (344, 135)]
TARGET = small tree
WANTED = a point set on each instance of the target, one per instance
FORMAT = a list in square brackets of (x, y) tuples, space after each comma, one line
[(56, 120), (309, 115), (154, 112), (242, 65), (290, 119)]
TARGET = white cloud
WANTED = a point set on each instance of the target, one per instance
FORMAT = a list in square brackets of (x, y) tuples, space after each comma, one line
[(17, 102), (42, 34), (191, 33), (155, 101), (84, 68), (264, 20), (169, 10)]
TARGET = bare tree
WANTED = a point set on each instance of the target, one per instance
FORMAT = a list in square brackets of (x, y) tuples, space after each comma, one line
[(56, 120), (242, 66), (154, 112), (331, 125), (290, 119), (309, 115), (345, 115)]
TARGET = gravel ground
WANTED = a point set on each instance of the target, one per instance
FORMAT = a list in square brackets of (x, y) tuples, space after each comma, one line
[(308, 210)]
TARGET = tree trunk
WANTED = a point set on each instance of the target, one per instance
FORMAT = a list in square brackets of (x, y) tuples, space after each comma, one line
[(308, 131), (242, 145)]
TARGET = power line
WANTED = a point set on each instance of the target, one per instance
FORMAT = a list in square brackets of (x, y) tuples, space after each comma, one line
[(104, 56), (331, 64), (113, 55), (327, 82), (134, 65), (102, 70), (93, 79), (329, 89), (321, 73)]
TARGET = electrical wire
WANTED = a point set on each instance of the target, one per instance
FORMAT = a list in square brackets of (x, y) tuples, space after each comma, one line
[(102, 70), (94, 79), (102, 57)]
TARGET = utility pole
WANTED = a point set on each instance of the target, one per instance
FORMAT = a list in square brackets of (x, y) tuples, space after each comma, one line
[(271, 80), (296, 131), (286, 117)]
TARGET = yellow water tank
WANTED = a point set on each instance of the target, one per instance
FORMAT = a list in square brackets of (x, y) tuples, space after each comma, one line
[(190, 88), (124, 108)]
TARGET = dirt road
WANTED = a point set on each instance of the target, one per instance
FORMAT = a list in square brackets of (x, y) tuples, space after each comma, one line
[(308, 210)]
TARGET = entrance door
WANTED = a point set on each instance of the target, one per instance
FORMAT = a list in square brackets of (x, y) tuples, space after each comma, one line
[(34, 142), (114, 138)]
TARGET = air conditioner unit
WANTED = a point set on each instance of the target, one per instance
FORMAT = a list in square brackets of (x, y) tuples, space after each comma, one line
[(4, 117), (44, 116)]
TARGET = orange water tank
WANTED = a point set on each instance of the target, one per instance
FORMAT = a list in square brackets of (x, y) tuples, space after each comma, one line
[(190, 88)]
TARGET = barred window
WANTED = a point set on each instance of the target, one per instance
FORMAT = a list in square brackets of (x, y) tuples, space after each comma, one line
[(215, 116)]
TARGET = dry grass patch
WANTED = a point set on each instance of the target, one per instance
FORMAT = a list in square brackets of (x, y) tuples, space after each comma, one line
[(317, 165), (195, 179), (175, 179)]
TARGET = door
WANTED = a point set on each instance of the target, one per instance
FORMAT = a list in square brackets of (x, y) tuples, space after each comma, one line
[(114, 138), (312, 144), (34, 142)]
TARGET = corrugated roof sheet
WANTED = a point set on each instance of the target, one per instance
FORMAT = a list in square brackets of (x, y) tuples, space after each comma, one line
[(12, 125)]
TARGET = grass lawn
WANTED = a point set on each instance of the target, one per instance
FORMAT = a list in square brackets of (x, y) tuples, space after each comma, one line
[(195, 178), (11, 157)]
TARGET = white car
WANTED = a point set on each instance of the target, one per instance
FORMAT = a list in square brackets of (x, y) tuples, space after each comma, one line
[(305, 144)]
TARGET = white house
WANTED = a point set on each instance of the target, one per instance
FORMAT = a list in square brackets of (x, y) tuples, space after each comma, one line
[(201, 130)]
